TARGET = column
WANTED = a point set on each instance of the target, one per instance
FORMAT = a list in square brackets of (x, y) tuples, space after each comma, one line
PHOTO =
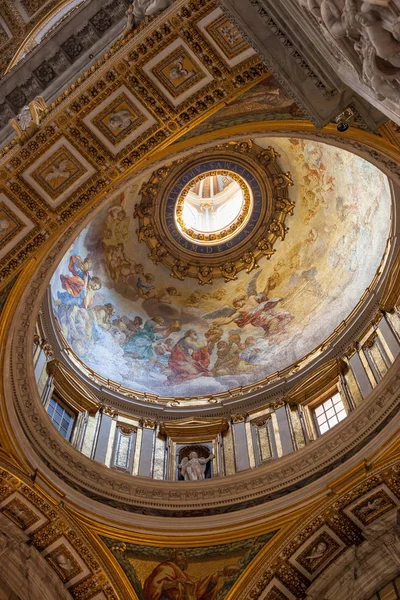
[(389, 337), (147, 448), (103, 435), (360, 374), (242, 459), (284, 429)]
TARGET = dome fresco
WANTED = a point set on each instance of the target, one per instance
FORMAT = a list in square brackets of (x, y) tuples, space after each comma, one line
[(130, 321)]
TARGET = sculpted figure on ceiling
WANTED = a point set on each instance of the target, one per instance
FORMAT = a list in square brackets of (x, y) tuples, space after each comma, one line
[(140, 9), (367, 35)]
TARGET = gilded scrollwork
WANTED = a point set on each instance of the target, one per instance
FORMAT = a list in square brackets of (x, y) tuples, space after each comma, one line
[(266, 248), (283, 180)]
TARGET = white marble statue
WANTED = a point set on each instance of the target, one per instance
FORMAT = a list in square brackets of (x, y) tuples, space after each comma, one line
[(140, 9), (194, 468), (24, 118), (368, 34)]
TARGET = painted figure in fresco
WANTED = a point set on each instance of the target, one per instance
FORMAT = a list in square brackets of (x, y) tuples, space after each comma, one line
[(250, 354), (80, 286), (254, 310), (79, 268), (250, 308), (162, 352), (229, 358), (169, 581), (193, 468), (146, 286), (189, 359), (103, 315), (141, 345)]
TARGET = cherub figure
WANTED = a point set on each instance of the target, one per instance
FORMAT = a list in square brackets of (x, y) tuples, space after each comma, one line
[(157, 253), (141, 210), (278, 228), (145, 233), (180, 269), (205, 275), (250, 261), (229, 271)]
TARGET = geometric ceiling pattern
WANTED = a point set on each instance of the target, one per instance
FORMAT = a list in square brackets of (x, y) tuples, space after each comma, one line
[(164, 79)]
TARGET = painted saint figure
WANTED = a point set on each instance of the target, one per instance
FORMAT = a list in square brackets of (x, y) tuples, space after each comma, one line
[(169, 581), (189, 359), (141, 345), (80, 285), (194, 467)]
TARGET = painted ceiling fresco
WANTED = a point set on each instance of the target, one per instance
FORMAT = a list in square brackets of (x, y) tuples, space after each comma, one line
[(206, 573), (128, 320)]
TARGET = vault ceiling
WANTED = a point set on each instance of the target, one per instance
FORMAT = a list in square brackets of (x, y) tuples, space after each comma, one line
[(163, 328)]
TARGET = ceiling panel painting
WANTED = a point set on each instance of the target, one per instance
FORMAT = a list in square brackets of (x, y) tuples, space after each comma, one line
[(199, 573)]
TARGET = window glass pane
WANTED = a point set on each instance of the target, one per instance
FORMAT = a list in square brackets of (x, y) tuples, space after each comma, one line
[(339, 406), (61, 417), (324, 427), (330, 412)]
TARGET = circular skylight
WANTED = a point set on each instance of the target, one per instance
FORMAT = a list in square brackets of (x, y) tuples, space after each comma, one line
[(213, 207)]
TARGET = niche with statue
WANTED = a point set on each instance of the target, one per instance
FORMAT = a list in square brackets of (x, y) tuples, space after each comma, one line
[(194, 462)]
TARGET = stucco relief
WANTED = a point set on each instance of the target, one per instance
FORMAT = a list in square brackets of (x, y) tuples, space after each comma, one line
[(368, 37)]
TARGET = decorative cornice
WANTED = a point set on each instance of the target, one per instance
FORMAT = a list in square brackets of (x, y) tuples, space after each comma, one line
[(239, 418), (71, 388), (193, 428), (148, 423)]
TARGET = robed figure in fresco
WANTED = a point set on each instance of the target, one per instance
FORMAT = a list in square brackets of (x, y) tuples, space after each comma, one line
[(168, 581), (189, 359), (80, 285)]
